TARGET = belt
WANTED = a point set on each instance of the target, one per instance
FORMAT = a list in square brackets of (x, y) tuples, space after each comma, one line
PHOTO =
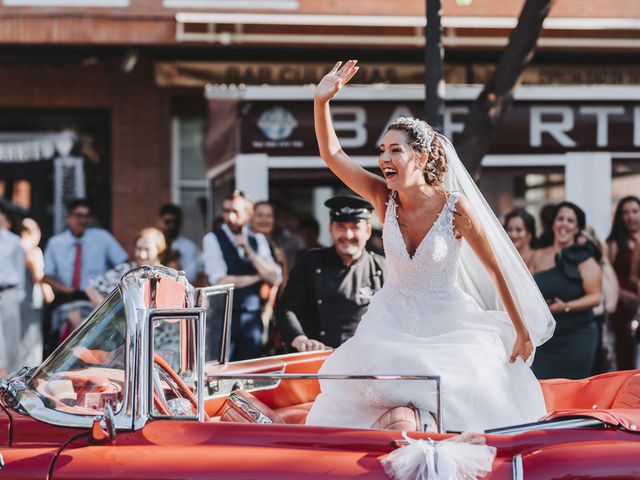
[(6, 287)]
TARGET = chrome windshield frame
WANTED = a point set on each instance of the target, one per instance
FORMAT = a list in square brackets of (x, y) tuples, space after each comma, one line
[(34, 406), (201, 298)]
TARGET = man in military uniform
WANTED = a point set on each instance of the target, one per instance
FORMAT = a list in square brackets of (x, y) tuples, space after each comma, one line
[(329, 289)]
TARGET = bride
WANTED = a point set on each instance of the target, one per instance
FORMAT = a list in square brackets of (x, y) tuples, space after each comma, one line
[(458, 301)]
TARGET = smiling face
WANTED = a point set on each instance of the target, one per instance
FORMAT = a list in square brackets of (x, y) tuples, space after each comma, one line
[(400, 164), (263, 219), (349, 238), (565, 226), (518, 233), (146, 251), (236, 213), (631, 216)]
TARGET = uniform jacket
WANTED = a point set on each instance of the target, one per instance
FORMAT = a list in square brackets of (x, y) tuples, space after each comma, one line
[(325, 299)]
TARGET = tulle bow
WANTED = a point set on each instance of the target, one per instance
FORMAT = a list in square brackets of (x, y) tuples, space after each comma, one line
[(464, 456)]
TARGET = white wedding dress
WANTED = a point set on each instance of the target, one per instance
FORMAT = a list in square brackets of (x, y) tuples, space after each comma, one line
[(421, 323)]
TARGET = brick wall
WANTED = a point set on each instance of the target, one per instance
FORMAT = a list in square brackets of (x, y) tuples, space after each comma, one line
[(140, 127), (155, 9)]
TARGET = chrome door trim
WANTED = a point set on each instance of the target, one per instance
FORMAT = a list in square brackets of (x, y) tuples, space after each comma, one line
[(579, 422), (196, 314), (315, 376), (518, 467)]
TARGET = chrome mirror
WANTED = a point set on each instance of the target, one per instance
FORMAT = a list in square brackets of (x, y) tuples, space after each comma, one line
[(106, 434)]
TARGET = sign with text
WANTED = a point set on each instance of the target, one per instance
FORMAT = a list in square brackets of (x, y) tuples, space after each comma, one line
[(286, 128), (200, 73)]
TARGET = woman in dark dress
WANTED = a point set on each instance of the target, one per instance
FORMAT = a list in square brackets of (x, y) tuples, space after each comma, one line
[(570, 278), (622, 242)]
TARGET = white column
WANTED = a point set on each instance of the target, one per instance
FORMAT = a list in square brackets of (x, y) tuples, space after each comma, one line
[(320, 195), (588, 184), (252, 176)]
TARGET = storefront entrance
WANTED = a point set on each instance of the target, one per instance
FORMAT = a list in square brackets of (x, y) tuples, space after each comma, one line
[(49, 157), (556, 142)]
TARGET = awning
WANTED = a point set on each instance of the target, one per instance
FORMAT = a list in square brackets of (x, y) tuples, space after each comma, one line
[(393, 31)]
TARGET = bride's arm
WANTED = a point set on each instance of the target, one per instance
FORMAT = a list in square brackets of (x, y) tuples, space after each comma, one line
[(467, 224), (370, 186)]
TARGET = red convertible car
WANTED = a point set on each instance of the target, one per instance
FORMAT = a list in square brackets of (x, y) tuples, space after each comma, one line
[(143, 389)]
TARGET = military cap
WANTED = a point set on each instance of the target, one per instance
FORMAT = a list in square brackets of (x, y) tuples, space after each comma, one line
[(348, 208)]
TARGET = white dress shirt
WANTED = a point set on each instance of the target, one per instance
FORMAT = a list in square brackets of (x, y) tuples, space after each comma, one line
[(12, 269), (214, 264), (189, 257)]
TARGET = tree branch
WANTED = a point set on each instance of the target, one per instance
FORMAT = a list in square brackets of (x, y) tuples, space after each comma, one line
[(495, 100)]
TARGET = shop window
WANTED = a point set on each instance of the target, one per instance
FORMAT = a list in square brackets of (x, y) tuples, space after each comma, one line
[(506, 188), (237, 4), (625, 179), (189, 179), (66, 3)]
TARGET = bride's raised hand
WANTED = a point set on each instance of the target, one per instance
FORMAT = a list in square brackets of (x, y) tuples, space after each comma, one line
[(333, 81), (523, 347)]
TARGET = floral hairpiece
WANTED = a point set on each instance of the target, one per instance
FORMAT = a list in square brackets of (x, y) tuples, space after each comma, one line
[(424, 134)]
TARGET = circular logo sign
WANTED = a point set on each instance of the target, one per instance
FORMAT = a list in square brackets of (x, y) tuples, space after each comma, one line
[(277, 123)]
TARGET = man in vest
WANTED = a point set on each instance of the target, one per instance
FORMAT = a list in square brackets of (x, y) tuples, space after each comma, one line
[(235, 254)]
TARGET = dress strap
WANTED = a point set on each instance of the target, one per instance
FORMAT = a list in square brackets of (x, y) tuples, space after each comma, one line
[(392, 205), (452, 200), (449, 209)]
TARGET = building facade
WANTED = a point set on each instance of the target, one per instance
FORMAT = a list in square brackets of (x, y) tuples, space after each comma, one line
[(126, 82)]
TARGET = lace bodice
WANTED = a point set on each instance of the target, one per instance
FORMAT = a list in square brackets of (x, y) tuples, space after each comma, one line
[(433, 267)]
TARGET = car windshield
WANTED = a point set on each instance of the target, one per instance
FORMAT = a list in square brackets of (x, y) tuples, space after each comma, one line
[(88, 371)]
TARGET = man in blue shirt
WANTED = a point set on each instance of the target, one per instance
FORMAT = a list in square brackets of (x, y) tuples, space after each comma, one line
[(77, 255)]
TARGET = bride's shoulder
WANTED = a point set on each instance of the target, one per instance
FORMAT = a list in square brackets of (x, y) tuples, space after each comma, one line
[(458, 203), (464, 218), (381, 202)]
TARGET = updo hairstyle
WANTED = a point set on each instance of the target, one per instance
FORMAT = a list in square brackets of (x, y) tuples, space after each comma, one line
[(422, 138)]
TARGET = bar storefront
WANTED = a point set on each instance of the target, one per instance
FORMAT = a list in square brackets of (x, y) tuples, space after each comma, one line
[(579, 143)]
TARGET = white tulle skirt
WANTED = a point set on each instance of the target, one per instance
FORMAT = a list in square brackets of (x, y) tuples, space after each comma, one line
[(449, 336)]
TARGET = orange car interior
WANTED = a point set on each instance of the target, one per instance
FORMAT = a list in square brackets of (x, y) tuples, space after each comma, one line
[(291, 400), (609, 390)]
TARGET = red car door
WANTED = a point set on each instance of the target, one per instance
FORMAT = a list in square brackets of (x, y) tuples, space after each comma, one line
[(181, 449)]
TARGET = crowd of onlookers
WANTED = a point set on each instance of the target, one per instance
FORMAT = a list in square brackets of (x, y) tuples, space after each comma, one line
[(45, 295), (591, 285)]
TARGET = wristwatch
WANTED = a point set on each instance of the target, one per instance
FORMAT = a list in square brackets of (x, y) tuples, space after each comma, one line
[(566, 308)]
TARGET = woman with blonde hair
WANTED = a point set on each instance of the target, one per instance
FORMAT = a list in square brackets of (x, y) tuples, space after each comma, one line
[(149, 248)]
